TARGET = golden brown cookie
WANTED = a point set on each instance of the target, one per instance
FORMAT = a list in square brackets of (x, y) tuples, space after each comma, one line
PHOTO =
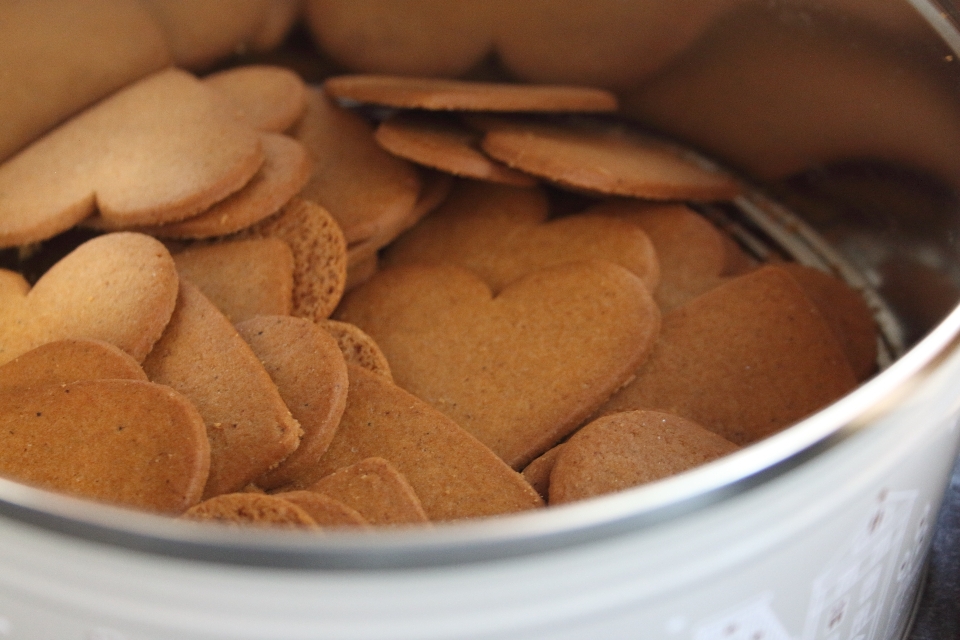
[(124, 442), (440, 94), (242, 278), (365, 188), (319, 255), (324, 510), (537, 473), (451, 472), (444, 143), (160, 150), (285, 170), (551, 347), (251, 509), (305, 363), (845, 311), (120, 288), (606, 158), (624, 450), (270, 98), (62, 57), (202, 356), (415, 37), (503, 242), (690, 251), (376, 490), (70, 360), (357, 347), (744, 360)]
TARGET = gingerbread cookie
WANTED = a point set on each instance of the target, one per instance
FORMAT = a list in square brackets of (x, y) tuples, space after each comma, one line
[(551, 347), (271, 98), (628, 449), (202, 356), (70, 360), (744, 360), (251, 509), (324, 510), (357, 347), (451, 472), (537, 473), (120, 288), (305, 363), (123, 442)]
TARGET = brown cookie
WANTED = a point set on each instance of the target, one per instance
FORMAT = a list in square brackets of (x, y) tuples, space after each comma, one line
[(280, 17), (451, 472), (251, 509), (285, 170), (120, 288), (444, 143), (124, 442), (628, 449), (744, 360), (502, 243), (551, 347), (845, 311), (62, 57), (12, 285), (270, 98), (305, 363), (376, 490), (357, 347), (690, 251), (439, 94), (202, 356), (160, 150), (604, 157), (319, 255), (243, 278), (416, 37), (70, 360), (360, 272), (324, 510), (365, 188), (537, 473)]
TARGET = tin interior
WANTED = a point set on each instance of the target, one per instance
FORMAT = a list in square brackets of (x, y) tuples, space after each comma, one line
[(892, 224)]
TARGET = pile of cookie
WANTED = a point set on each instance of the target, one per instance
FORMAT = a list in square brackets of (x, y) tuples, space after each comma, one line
[(294, 313)]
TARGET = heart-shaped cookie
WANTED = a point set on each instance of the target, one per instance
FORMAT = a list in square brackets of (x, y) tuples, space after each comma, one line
[(160, 150), (519, 370), (126, 442), (120, 288), (501, 233)]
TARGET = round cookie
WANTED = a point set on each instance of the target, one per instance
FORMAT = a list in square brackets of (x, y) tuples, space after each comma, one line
[(251, 509), (324, 510), (357, 347), (271, 98)]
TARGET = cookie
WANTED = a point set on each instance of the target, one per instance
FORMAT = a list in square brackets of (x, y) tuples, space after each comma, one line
[(357, 347), (744, 360), (123, 442), (845, 311), (279, 19), (444, 143), (439, 94), (417, 37), (160, 150), (451, 472), (285, 170), (120, 288), (503, 242), (360, 272), (690, 251), (242, 278), (251, 509), (551, 347), (202, 356), (376, 490), (324, 510), (271, 98), (628, 449), (70, 360), (319, 255), (606, 158), (64, 57), (305, 363), (365, 188), (537, 473)]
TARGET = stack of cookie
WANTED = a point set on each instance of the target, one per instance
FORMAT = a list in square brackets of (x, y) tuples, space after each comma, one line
[(499, 345)]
